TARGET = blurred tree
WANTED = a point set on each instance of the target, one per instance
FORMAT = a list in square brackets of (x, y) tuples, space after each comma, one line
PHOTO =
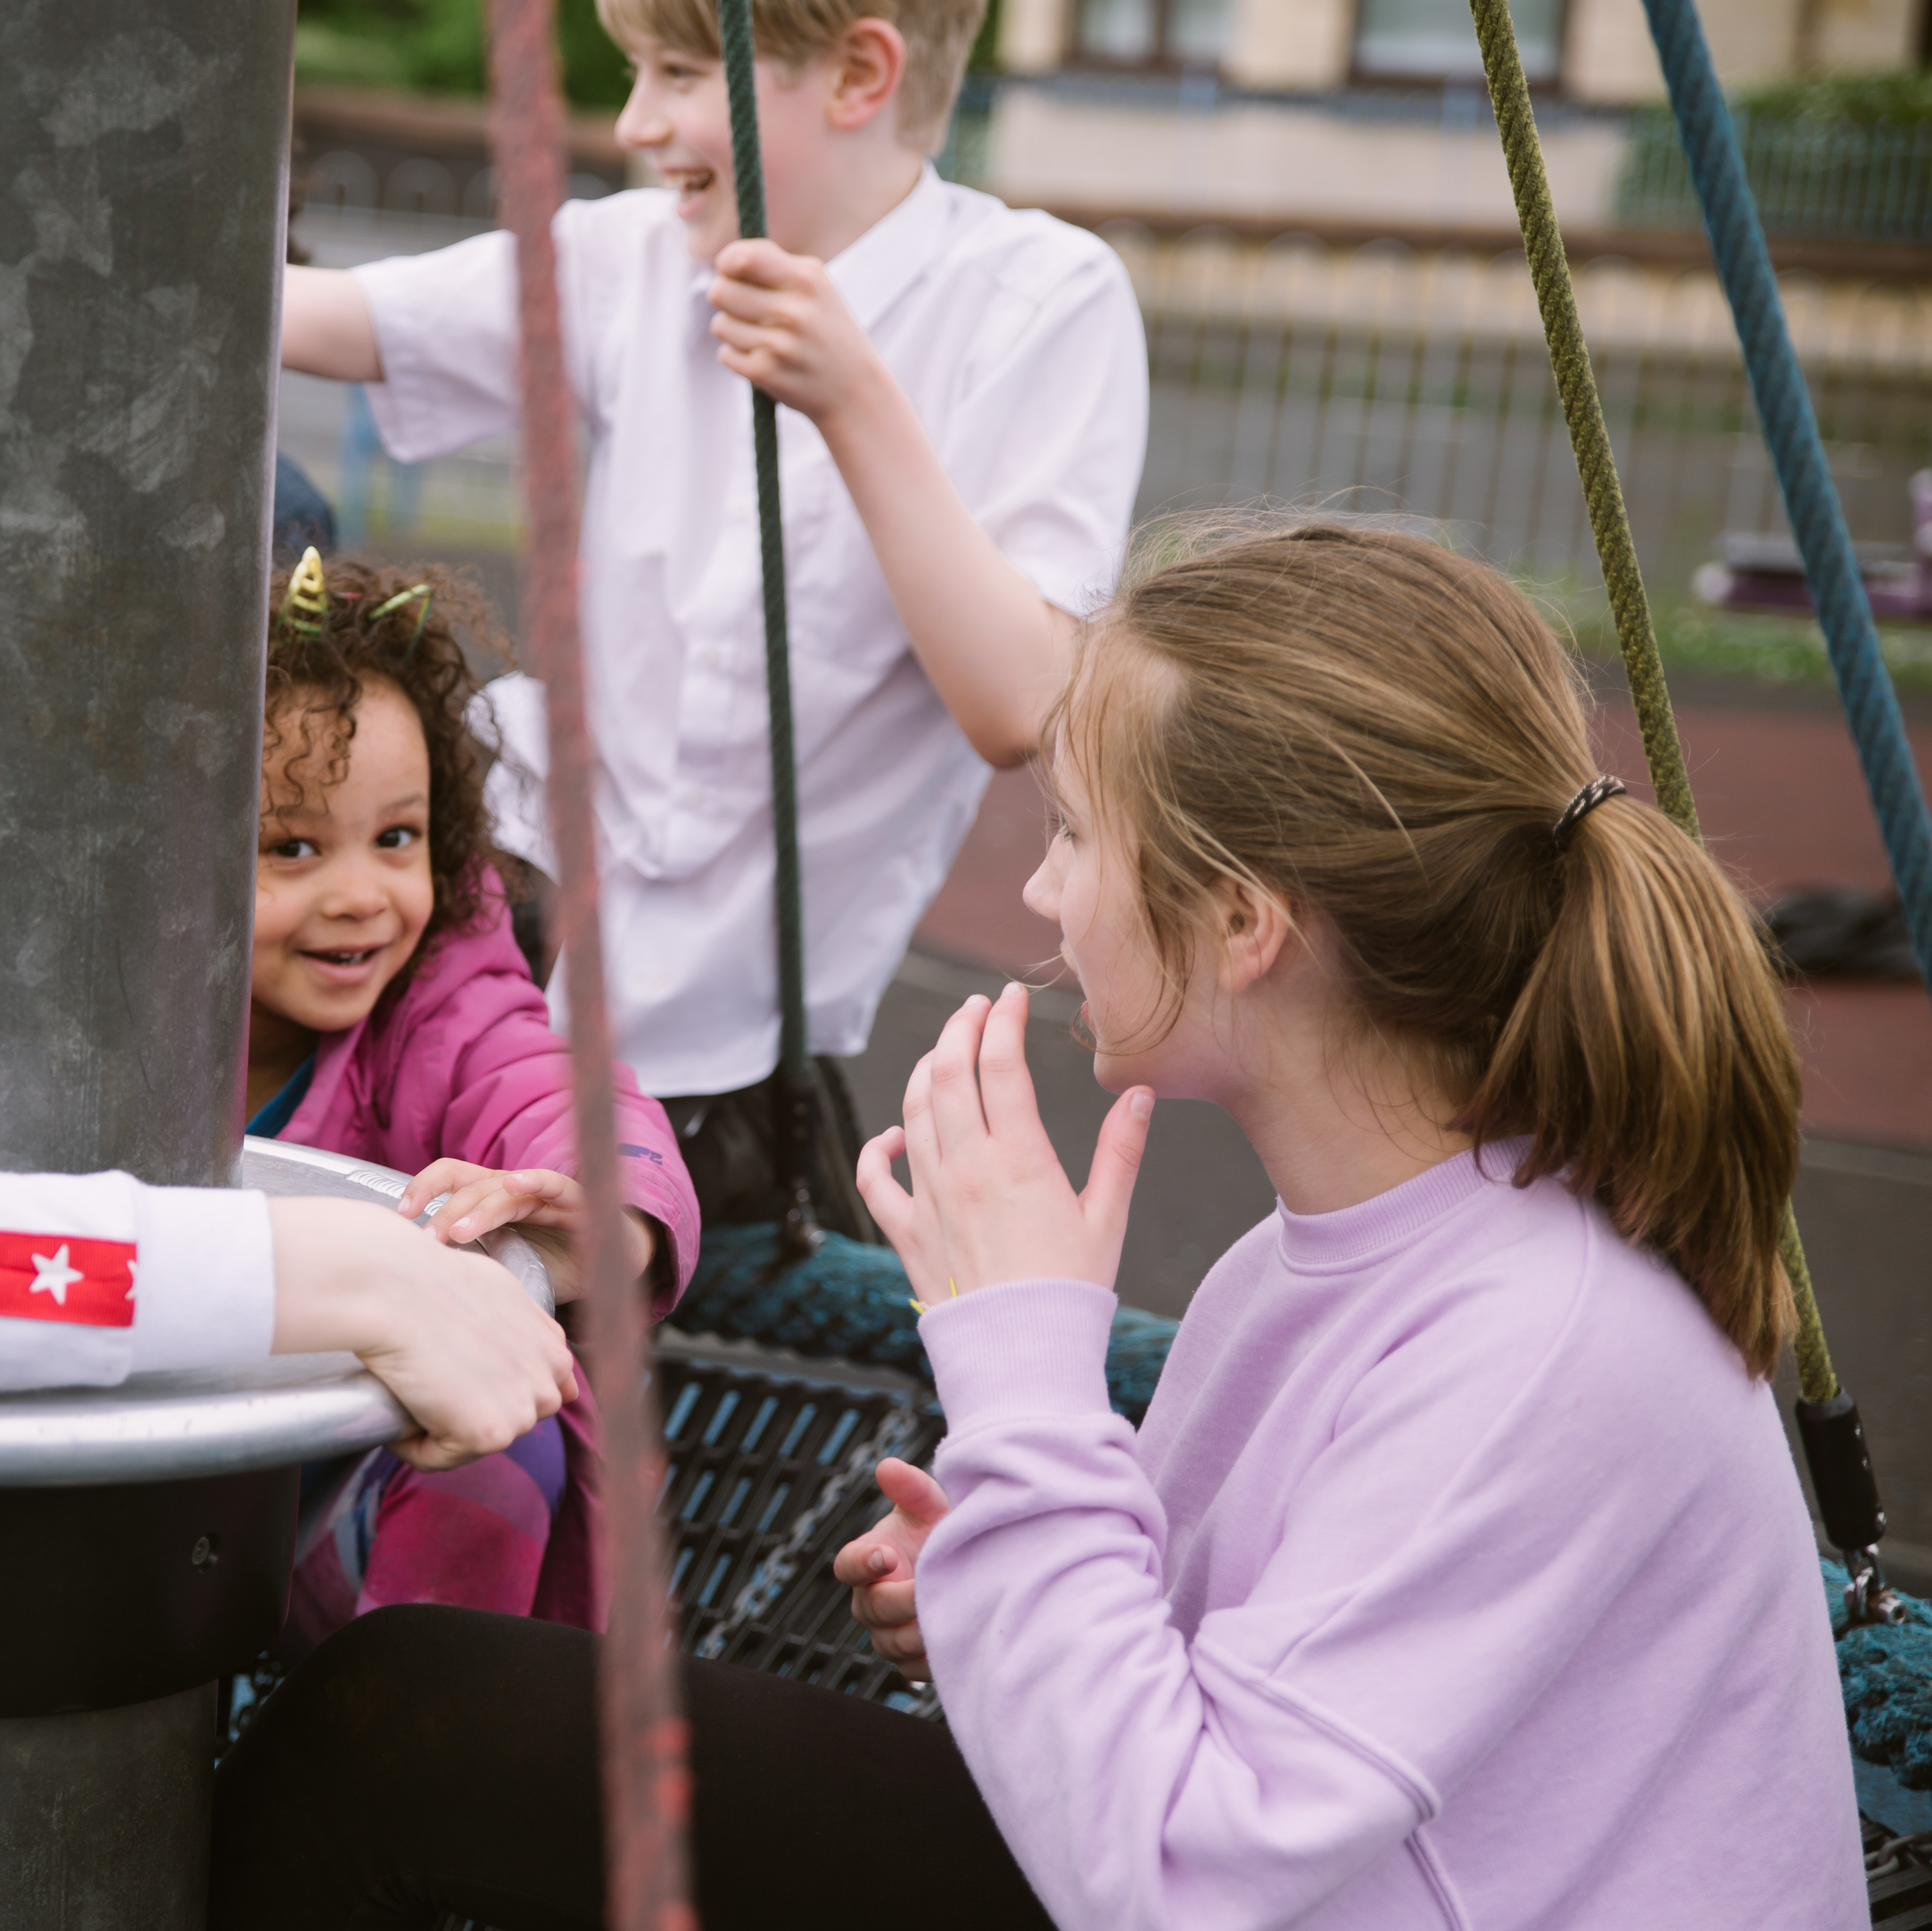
[(435, 46)]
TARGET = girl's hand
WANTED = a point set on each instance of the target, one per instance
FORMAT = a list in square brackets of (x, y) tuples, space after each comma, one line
[(990, 1202), (878, 1566), (457, 1340), (784, 326), (482, 1199)]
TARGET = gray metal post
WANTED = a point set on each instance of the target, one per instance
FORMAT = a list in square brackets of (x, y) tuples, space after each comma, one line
[(143, 175)]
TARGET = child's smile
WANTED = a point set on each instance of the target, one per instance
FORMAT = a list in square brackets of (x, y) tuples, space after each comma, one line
[(343, 890)]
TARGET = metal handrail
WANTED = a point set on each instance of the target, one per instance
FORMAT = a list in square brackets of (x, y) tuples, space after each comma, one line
[(296, 1407)]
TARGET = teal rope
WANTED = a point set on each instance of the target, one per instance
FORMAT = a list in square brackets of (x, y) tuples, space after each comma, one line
[(1798, 453), (734, 36)]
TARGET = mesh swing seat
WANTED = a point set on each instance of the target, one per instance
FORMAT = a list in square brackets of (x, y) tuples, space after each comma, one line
[(768, 1474)]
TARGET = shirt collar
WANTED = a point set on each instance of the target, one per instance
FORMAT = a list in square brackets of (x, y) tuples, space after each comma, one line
[(885, 261), (892, 254)]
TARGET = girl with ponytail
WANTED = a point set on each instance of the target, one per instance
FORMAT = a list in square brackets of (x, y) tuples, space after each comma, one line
[(1458, 1576)]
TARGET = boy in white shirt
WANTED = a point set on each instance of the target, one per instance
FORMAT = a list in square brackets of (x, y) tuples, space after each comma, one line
[(965, 393)]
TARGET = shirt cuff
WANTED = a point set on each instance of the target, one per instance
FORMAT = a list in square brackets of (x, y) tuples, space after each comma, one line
[(1021, 1348), (206, 1295)]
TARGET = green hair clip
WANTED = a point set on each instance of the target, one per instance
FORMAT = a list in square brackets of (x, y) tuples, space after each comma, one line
[(305, 607), (395, 603)]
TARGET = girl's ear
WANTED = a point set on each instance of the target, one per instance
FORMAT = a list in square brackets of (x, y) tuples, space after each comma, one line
[(1253, 929)]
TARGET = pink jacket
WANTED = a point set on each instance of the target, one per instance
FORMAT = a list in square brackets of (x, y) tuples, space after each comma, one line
[(465, 1066)]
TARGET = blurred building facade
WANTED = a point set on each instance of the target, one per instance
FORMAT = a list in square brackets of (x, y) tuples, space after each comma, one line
[(1363, 113)]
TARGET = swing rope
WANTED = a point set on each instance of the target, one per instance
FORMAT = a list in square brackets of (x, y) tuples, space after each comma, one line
[(1609, 525), (797, 1109), (1798, 453)]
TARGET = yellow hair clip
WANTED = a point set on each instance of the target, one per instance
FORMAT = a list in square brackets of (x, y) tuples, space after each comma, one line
[(306, 606)]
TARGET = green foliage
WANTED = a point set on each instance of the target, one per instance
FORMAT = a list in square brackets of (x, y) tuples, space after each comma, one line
[(1736, 646), (985, 57), (436, 46), (1843, 156), (596, 72), (1897, 98)]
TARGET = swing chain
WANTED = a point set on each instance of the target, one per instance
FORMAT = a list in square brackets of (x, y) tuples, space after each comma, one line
[(1869, 1598)]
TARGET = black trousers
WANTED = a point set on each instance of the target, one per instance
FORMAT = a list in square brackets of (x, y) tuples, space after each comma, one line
[(426, 1760)]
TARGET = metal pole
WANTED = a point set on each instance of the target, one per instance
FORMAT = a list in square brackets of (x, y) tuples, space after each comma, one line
[(143, 173), (143, 188), (646, 1787)]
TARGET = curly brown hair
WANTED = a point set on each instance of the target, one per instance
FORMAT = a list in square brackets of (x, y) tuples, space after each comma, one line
[(317, 673)]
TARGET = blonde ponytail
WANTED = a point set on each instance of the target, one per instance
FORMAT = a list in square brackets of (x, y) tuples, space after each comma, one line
[(1648, 1057), (1368, 725)]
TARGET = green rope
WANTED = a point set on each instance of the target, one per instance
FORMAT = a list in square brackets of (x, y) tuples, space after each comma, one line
[(1609, 524), (734, 36)]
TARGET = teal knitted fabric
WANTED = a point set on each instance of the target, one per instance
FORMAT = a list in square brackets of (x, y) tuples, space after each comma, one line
[(1886, 1671), (854, 1302)]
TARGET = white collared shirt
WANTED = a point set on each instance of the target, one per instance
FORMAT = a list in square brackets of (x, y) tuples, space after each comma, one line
[(1019, 341)]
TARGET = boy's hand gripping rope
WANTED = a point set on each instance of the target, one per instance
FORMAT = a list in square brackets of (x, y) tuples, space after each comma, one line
[(797, 1107), (1828, 1423), (645, 1783)]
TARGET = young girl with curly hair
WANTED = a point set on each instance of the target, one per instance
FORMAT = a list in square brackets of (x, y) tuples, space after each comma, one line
[(394, 1017)]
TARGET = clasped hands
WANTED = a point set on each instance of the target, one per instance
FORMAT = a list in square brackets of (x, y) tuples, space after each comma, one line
[(990, 1203)]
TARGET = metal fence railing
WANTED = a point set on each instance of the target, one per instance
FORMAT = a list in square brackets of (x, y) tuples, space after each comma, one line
[(1382, 380), (1839, 180), (1379, 378)]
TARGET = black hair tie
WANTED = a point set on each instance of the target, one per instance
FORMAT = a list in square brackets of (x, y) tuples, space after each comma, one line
[(1579, 807)]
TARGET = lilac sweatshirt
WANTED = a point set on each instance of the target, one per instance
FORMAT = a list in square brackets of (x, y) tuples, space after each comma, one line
[(1459, 1576)]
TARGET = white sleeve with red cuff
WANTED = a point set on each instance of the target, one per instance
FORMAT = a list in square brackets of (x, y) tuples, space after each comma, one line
[(101, 1277)]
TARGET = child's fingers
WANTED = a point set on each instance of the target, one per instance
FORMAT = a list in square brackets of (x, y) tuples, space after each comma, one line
[(958, 1119), (904, 1649), (889, 1204), (477, 1211), (865, 1561), (745, 334), (1109, 1191), (438, 1176), (542, 1183), (762, 263), (753, 302), (884, 1605), (921, 1147), (912, 1493), (463, 1201), (1006, 1087)]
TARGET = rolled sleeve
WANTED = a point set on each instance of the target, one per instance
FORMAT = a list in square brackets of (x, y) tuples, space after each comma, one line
[(207, 1289), (446, 327), (110, 1278)]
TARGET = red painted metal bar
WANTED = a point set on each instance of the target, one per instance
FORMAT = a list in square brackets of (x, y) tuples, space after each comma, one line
[(645, 1781)]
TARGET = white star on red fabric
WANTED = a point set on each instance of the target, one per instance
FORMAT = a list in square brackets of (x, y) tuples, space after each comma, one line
[(54, 1276)]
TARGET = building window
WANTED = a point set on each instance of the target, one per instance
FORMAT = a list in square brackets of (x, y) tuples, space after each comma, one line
[(1152, 33), (1435, 40)]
